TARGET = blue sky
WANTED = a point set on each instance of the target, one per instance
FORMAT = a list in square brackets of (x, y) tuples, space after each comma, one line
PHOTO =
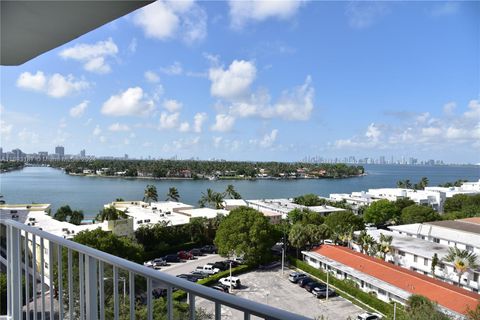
[(258, 81)]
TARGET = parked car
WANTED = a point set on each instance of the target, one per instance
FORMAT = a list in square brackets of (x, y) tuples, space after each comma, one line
[(233, 262), (185, 255), (233, 281), (199, 274), (220, 265), (220, 288), (158, 263), (209, 248), (294, 277), (322, 293), (271, 265), (369, 316), (240, 260), (196, 252), (188, 277), (304, 281), (208, 269), (312, 285), (171, 258)]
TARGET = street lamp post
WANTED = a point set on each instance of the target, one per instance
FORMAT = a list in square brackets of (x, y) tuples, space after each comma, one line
[(326, 298)]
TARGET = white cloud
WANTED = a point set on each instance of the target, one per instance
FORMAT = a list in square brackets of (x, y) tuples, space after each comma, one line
[(423, 130), (296, 104), (116, 127), (182, 144), (233, 82), (56, 85), (449, 108), (132, 47), (173, 69), (97, 131), (93, 56), (79, 109), (164, 20), (184, 127), (172, 105), (269, 139), (362, 14), (131, 102), (5, 129), (168, 121), (223, 123), (242, 12), (26, 136), (217, 141), (198, 121), (151, 76), (36, 82), (445, 9)]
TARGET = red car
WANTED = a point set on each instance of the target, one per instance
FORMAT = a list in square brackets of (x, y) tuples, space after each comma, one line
[(184, 255)]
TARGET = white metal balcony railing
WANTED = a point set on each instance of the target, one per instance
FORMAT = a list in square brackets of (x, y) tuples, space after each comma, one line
[(80, 293)]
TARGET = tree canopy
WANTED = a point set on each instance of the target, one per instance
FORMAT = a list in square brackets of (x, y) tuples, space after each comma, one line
[(65, 213), (418, 214), (309, 200), (246, 231), (150, 193), (343, 222), (305, 217), (108, 242), (380, 212), (421, 308)]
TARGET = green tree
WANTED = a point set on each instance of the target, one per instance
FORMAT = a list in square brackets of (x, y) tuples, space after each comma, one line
[(3, 293), (309, 200), (173, 194), (246, 231), (473, 314), (232, 193), (305, 216), (418, 214), (421, 308), (455, 203), (342, 222), (380, 212), (110, 213), (423, 182), (402, 203), (462, 260), (435, 262), (150, 194), (76, 217), (122, 247), (298, 237), (63, 213), (384, 245), (211, 199), (365, 241)]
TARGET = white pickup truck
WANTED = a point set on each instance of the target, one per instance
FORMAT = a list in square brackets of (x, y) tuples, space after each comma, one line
[(208, 269)]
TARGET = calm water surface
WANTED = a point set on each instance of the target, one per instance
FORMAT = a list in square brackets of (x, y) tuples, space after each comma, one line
[(47, 185)]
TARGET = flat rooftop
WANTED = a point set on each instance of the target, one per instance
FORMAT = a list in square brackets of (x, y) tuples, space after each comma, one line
[(461, 225), (446, 295)]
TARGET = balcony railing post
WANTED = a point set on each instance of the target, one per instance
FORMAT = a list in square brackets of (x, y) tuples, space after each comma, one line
[(131, 293), (42, 275), (70, 282), (9, 272), (51, 288), (101, 290), (34, 276), (27, 276), (116, 308), (60, 281), (91, 288), (15, 273), (81, 275), (191, 306)]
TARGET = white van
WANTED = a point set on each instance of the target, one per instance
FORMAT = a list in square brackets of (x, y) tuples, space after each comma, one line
[(234, 281)]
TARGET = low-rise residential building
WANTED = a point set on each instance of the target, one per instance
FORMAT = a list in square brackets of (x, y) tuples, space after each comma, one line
[(230, 204), (208, 213), (389, 282), (284, 206), (416, 254), (462, 233)]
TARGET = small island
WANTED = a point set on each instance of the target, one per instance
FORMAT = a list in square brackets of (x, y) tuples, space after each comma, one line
[(211, 170)]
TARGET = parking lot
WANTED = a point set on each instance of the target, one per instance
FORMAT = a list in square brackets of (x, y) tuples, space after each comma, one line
[(189, 265), (273, 288)]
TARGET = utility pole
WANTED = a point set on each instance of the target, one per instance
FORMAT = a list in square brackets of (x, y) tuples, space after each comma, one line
[(394, 311), (326, 297)]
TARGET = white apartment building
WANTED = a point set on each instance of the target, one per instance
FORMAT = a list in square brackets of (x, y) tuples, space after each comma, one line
[(462, 233), (416, 255)]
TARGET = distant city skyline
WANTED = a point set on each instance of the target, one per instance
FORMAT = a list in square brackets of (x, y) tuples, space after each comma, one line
[(242, 80), (60, 154)]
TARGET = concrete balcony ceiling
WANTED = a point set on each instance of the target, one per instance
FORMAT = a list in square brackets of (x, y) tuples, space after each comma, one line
[(30, 28)]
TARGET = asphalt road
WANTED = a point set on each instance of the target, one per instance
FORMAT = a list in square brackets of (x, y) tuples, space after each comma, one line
[(190, 265)]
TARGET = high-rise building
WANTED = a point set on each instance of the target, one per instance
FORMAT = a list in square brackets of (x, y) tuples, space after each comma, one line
[(60, 152), (82, 153)]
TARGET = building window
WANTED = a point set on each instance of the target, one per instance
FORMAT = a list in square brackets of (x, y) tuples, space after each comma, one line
[(401, 253), (475, 276), (415, 258), (469, 248), (382, 292), (436, 240), (425, 261)]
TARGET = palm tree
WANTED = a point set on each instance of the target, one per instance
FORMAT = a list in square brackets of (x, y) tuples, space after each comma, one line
[(365, 241), (385, 245), (212, 199), (423, 182), (110, 213), (232, 193), (150, 194), (462, 260), (173, 194)]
